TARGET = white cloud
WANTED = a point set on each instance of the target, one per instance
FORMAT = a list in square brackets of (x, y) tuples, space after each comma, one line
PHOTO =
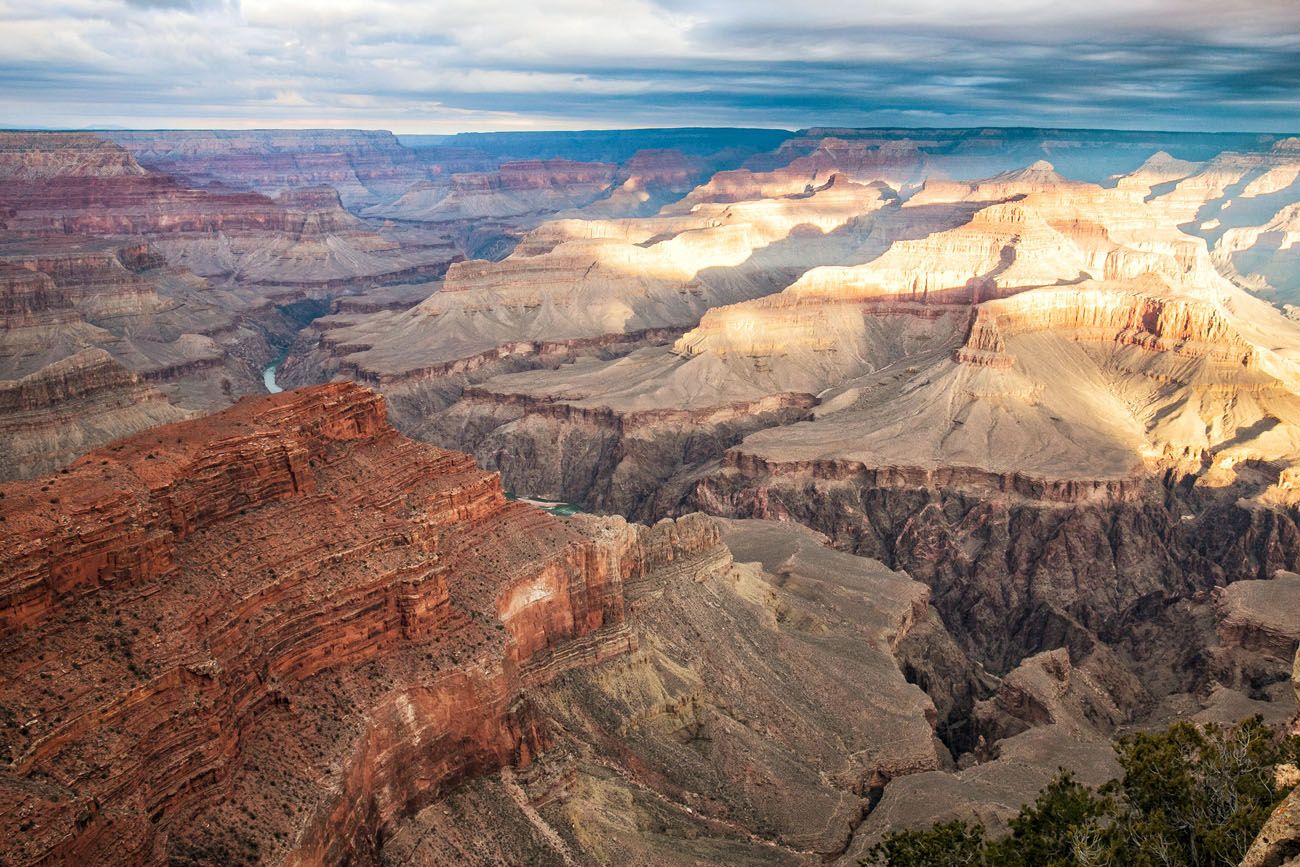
[(621, 62)]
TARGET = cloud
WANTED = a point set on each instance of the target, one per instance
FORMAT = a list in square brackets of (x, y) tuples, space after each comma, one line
[(467, 64), (185, 5)]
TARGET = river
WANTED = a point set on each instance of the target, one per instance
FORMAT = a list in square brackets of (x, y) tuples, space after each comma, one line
[(268, 375), (555, 507)]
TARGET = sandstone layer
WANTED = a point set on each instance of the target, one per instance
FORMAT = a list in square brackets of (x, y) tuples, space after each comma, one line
[(189, 290), (102, 338)]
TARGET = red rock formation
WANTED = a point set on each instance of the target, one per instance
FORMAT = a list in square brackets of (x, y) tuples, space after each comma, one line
[(49, 186), (80, 184), (98, 278), (670, 169), (30, 156), (270, 633)]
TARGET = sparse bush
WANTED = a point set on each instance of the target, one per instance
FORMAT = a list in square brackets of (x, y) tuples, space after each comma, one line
[(1188, 797)]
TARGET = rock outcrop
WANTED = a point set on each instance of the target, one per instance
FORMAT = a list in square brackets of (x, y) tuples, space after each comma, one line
[(102, 338), (176, 282), (50, 186), (767, 747), (64, 409)]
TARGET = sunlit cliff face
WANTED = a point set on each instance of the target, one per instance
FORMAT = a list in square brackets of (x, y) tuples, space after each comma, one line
[(1198, 367), (741, 327), (1005, 308)]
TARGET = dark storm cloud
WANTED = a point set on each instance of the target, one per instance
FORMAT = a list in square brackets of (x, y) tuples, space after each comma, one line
[(454, 64)]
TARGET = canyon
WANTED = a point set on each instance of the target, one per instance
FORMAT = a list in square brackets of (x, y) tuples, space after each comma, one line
[(913, 465), (151, 276)]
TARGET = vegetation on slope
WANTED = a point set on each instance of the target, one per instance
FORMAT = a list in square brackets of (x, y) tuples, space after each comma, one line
[(1189, 797)]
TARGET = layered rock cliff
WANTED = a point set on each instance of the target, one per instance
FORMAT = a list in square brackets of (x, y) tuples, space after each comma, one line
[(364, 166), (50, 186), (515, 189), (172, 280), (272, 633), (65, 408), (77, 308), (598, 282)]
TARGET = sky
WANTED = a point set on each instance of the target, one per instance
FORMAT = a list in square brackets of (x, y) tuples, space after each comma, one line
[(458, 65)]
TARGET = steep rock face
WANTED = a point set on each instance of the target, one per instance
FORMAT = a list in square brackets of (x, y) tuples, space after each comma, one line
[(185, 310), (786, 730), (284, 633), (303, 628), (30, 299), (1083, 571), (1278, 843), (646, 182), (99, 280), (302, 237), (315, 245), (28, 156), (615, 459), (75, 183), (1254, 615), (69, 300), (1048, 713)]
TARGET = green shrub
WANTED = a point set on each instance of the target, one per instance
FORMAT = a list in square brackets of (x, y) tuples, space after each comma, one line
[(1188, 797)]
